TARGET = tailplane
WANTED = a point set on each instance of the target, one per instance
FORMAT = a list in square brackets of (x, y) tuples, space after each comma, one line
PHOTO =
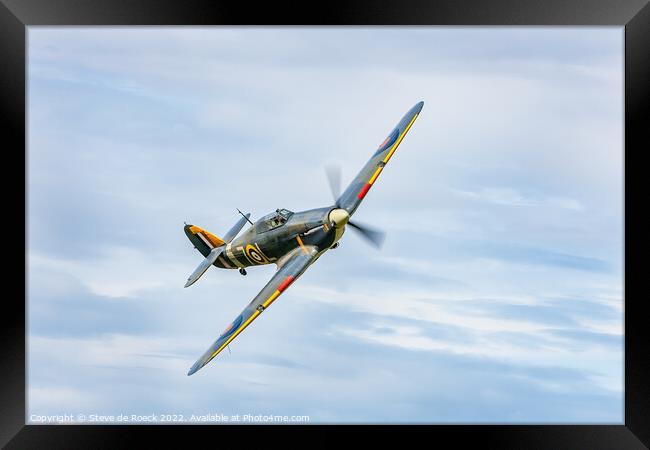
[(210, 245), (205, 265)]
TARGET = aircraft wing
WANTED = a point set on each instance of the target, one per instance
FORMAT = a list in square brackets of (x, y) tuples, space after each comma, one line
[(359, 187), (292, 266)]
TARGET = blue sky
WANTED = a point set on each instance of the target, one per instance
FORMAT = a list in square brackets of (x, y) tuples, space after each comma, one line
[(497, 297)]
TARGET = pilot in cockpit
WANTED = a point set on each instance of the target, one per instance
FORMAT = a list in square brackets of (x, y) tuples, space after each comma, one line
[(273, 220)]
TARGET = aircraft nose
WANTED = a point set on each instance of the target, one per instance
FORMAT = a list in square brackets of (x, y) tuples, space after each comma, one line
[(339, 217)]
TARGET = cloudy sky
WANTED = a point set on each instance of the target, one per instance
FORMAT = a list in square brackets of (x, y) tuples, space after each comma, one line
[(497, 297)]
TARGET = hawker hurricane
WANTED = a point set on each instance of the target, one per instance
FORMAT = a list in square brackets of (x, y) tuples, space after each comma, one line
[(290, 240)]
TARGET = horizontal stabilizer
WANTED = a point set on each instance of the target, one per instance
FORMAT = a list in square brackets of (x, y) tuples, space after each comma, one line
[(230, 235), (205, 264)]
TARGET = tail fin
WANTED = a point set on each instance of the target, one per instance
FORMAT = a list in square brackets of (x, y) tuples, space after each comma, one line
[(203, 240), (209, 245)]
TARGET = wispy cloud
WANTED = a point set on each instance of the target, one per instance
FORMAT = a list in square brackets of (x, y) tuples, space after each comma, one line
[(510, 197)]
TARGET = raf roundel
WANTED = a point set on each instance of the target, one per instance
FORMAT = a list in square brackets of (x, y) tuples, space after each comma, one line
[(255, 255), (388, 142), (232, 327)]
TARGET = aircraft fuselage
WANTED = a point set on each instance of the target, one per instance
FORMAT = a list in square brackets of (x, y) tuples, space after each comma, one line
[(269, 239)]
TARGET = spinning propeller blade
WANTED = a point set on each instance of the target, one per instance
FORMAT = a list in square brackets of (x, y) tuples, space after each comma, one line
[(333, 173), (374, 237)]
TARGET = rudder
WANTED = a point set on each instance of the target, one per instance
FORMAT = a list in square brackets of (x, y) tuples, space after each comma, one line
[(203, 240)]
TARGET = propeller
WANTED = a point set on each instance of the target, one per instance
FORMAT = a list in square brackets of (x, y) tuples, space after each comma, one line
[(371, 235), (333, 173)]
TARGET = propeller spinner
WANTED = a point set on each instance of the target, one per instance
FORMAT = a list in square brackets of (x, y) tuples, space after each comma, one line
[(339, 217)]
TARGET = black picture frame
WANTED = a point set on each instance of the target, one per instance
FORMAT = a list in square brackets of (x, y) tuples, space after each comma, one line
[(634, 15)]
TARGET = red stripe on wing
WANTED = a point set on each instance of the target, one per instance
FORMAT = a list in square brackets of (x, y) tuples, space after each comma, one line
[(362, 193), (285, 284)]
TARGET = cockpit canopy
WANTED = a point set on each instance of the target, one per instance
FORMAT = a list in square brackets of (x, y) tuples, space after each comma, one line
[(273, 220)]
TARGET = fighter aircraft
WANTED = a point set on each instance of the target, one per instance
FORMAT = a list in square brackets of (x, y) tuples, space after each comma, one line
[(290, 240)]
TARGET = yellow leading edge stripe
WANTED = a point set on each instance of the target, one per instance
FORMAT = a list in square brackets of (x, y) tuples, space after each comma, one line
[(250, 319), (408, 127), (271, 298), (379, 169), (241, 328)]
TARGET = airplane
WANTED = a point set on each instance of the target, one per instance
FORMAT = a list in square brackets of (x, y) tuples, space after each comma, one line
[(290, 240)]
